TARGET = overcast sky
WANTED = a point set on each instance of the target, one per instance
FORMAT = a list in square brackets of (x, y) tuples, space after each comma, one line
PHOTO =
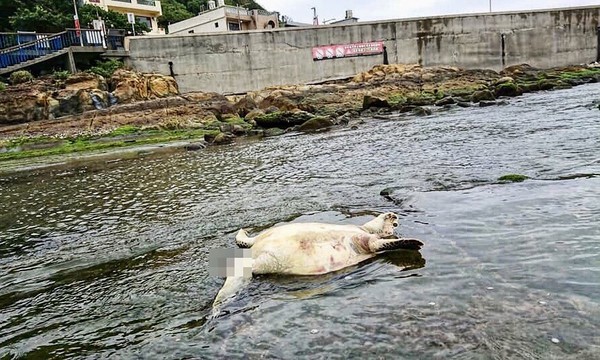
[(367, 10)]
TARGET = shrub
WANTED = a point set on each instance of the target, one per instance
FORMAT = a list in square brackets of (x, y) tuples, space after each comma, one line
[(2, 86), (61, 75), (21, 76), (106, 68)]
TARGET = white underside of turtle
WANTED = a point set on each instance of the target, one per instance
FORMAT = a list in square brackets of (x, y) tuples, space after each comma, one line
[(313, 249)]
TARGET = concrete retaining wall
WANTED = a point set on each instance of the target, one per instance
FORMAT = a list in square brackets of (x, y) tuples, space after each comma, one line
[(243, 61)]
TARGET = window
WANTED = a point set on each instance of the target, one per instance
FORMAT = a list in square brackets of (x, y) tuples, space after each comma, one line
[(191, 32), (216, 25), (144, 20), (234, 26)]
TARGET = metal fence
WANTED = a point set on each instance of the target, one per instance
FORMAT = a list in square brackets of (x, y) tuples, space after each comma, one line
[(18, 38), (50, 44)]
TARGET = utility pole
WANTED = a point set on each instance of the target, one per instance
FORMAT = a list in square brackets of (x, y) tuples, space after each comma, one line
[(315, 17), (77, 26), (490, 5)]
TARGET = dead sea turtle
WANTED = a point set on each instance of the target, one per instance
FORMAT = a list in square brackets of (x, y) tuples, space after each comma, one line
[(312, 249)]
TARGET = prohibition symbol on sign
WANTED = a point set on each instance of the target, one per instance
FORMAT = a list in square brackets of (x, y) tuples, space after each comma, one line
[(340, 51), (319, 54), (329, 52)]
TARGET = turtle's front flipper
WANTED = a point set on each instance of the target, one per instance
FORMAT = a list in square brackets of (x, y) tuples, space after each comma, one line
[(231, 286), (395, 244), (243, 241)]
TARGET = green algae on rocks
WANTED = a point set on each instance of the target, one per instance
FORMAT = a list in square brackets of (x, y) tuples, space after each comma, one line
[(512, 178)]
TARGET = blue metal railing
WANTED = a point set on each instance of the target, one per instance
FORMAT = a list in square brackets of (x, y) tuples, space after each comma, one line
[(18, 38), (47, 45)]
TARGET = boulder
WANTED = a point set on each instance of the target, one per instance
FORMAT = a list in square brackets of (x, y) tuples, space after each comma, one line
[(282, 119), (85, 81), (130, 86), (316, 123), (482, 95), (23, 103), (279, 100), (245, 106), (160, 86), (547, 84), (195, 146), (503, 80), (370, 101), (508, 89), (421, 111), (219, 138), (449, 100), (485, 103)]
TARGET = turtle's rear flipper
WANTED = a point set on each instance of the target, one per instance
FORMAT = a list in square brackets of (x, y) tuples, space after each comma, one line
[(396, 244), (243, 241)]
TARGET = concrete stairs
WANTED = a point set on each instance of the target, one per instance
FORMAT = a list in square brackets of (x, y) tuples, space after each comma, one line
[(31, 62)]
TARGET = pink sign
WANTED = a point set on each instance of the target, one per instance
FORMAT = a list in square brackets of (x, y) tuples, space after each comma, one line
[(348, 50)]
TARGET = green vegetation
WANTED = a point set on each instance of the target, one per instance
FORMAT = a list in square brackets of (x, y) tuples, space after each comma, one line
[(61, 75), (582, 74), (415, 98), (178, 10), (50, 16), (235, 120), (125, 130), (512, 178), (2, 86), (508, 89), (106, 68), (21, 76), (396, 99), (18, 148)]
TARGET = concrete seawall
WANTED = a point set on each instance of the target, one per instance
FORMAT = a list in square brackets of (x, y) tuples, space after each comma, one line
[(244, 61)]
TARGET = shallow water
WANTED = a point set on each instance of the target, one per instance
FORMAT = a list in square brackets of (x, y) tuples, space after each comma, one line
[(109, 259)]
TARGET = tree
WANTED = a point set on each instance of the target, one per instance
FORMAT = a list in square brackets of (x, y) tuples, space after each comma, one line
[(195, 6), (112, 19), (56, 15), (173, 12), (38, 19)]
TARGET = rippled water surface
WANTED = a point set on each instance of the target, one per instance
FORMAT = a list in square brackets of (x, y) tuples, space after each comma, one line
[(110, 258)]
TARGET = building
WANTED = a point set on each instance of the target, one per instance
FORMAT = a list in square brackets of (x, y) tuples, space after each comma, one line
[(349, 19), (221, 18), (145, 11)]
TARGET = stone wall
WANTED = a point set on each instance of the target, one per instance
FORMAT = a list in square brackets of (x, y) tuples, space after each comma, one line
[(244, 61)]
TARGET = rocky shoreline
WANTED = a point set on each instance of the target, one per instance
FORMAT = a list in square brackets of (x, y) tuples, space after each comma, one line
[(79, 114)]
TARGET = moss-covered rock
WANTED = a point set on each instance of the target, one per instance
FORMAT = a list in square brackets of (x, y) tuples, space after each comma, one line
[(282, 119), (252, 115), (529, 87), (508, 89), (482, 95), (511, 178), (421, 99), (547, 84), (316, 123)]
